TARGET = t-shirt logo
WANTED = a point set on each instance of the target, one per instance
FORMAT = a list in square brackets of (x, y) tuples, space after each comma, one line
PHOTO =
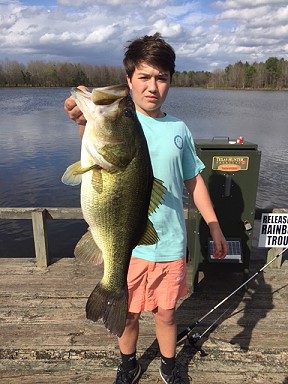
[(178, 141)]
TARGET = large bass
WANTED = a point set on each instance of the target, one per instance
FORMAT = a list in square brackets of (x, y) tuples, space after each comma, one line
[(118, 193)]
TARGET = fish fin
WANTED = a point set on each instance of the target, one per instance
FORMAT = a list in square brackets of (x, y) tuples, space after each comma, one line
[(97, 182), (157, 195), (149, 236), (110, 306), (119, 155), (87, 250), (73, 174)]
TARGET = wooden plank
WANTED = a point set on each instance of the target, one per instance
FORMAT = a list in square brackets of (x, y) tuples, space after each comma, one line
[(51, 213), (222, 368), (64, 213), (40, 237), (45, 337), (16, 213)]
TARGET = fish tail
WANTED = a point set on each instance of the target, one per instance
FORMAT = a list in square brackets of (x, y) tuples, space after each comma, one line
[(110, 306)]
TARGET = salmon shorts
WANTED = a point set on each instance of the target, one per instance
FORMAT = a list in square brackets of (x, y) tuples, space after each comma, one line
[(153, 285)]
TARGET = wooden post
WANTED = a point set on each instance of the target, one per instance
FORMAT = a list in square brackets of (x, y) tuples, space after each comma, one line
[(40, 237)]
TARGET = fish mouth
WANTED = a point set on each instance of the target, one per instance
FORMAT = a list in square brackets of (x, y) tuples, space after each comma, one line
[(103, 95), (103, 101), (107, 95)]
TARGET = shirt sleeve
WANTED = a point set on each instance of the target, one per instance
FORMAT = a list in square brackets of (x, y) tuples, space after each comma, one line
[(192, 165)]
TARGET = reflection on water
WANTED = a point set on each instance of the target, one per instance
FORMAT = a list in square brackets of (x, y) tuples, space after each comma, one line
[(260, 117), (38, 142)]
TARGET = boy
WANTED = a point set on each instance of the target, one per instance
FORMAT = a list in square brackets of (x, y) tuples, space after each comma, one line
[(157, 273)]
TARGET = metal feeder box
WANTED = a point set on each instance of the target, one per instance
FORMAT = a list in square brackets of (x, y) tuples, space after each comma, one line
[(231, 176)]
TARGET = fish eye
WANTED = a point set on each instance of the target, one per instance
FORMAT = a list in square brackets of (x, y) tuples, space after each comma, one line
[(128, 112)]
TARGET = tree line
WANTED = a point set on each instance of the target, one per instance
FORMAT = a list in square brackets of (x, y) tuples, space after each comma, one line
[(271, 74)]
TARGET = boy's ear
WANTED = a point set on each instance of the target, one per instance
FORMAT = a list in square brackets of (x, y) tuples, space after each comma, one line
[(129, 82)]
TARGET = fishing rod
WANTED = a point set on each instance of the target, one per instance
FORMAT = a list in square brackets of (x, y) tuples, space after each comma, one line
[(188, 330), (196, 336)]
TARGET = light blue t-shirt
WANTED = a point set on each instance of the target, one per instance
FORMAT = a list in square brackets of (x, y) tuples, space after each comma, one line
[(174, 160)]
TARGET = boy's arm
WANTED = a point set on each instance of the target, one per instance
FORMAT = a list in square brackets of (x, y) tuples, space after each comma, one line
[(200, 195)]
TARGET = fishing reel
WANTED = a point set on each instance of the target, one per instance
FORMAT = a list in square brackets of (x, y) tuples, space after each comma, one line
[(193, 340)]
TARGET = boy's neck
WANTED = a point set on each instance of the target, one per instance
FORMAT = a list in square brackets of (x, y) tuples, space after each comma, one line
[(153, 114)]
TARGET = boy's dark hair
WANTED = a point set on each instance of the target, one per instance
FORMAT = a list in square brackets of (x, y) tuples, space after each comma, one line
[(152, 50)]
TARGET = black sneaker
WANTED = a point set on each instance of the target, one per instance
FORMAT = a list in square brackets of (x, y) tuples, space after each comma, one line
[(174, 378), (130, 377)]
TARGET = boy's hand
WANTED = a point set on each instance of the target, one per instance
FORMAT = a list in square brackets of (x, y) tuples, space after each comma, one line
[(220, 244), (73, 110)]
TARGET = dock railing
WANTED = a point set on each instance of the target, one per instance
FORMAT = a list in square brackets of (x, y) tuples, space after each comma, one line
[(39, 217)]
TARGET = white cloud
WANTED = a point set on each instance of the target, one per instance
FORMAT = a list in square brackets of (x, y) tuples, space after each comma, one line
[(239, 4), (166, 29), (50, 38), (205, 34), (245, 14)]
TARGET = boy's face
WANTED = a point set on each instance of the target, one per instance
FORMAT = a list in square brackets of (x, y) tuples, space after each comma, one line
[(149, 88)]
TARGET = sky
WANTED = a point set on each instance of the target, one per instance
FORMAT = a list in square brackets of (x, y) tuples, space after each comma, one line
[(207, 35)]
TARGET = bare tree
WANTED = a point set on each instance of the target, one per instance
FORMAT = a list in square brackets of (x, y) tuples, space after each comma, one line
[(272, 74)]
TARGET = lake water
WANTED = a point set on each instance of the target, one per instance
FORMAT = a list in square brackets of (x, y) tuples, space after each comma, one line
[(38, 142)]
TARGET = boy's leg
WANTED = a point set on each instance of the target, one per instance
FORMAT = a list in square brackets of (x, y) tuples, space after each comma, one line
[(166, 330), (128, 341), (129, 370), (166, 293), (136, 281), (169, 290)]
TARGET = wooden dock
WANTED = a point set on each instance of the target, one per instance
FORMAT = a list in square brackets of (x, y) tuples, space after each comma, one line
[(45, 337)]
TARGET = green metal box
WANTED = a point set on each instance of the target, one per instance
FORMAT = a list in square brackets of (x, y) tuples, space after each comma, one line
[(231, 176)]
